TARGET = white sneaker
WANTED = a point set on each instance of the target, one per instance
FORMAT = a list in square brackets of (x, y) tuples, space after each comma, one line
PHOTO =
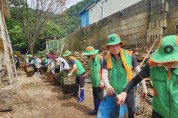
[(36, 74)]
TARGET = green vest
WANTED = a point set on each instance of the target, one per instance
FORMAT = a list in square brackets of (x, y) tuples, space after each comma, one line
[(80, 69), (46, 60), (165, 101), (117, 75), (95, 71)]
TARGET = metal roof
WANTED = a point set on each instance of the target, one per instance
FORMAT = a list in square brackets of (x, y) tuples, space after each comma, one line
[(88, 5)]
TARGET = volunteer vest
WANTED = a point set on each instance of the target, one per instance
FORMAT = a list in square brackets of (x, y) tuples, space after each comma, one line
[(117, 75), (46, 60), (80, 69), (95, 71), (165, 100)]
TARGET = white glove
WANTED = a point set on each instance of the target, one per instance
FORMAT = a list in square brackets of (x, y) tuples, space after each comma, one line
[(102, 84), (70, 74), (144, 92), (144, 89), (110, 90), (120, 98)]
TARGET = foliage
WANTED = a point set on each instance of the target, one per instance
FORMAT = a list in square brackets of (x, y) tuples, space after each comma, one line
[(68, 20), (41, 53), (17, 36), (28, 28), (32, 23), (60, 76), (52, 29)]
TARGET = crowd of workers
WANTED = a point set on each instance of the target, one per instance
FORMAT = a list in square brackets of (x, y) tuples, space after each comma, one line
[(118, 73)]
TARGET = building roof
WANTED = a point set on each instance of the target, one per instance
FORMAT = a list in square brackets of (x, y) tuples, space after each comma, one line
[(92, 2)]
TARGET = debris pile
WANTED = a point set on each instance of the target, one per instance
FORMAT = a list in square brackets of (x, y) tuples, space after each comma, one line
[(144, 108), (141, 50), (84, 59)]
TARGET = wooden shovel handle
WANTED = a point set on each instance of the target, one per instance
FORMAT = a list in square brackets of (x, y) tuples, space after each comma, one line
[(148, 53)]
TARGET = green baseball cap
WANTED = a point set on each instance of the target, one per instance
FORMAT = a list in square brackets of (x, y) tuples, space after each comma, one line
[(90, 50), (168, 50), (113, 39), (66, 53)]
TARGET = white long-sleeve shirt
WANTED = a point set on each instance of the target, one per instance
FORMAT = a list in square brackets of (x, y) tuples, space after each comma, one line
[(65, 65), (37, 63)]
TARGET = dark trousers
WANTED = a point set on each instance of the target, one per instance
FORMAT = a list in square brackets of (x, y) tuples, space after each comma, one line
[(57, 70), (131, 102), (79, 80), (98, 93), (36, 69)]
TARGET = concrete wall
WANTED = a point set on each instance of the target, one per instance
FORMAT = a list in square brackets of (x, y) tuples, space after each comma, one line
[(173, 18), (95, 12), (113, 6), (147, 18), (105, 8)]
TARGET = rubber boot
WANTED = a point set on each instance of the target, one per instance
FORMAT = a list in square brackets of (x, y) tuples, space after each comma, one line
[(96, 106), (38, 73), (76, 91), (81, 99)]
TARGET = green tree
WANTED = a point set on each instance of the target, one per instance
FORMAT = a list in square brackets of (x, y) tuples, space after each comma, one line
[(28, 27), (17, 36), (52, 30), (68, 20), (35, 21)]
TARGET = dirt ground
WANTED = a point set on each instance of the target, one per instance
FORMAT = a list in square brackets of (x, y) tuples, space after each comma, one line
[(36, 97)]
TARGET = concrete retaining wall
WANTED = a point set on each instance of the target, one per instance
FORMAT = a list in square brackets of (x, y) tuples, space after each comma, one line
[(132, 24)]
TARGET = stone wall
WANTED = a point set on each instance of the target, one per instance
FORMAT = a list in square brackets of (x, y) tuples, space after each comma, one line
[(173, 17), (6, 98), (147, 18)]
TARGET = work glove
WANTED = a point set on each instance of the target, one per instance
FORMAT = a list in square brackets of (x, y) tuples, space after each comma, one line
[(144, 89), (144, 92), (110, 90), (102, 84), (120, 98), (70, 74)]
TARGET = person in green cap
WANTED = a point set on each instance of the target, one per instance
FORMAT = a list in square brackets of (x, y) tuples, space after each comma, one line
[(117, 71), (95, 75), (162, 67), (79, 71)]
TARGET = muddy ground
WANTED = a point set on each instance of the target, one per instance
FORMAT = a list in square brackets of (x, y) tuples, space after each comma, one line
[(36, 97)]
